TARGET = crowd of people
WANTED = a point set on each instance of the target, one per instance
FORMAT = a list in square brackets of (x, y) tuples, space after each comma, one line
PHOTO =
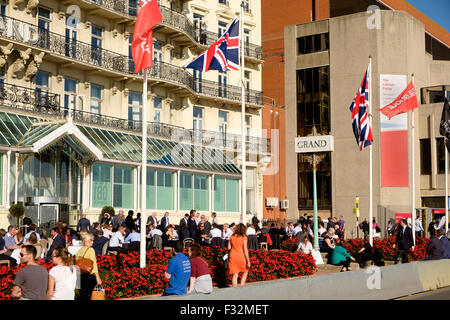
[(186, 274)]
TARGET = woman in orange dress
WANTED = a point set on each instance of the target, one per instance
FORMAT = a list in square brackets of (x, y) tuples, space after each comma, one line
[(239, 258)]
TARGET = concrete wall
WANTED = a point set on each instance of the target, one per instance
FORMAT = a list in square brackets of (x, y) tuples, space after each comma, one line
[(396, 281)]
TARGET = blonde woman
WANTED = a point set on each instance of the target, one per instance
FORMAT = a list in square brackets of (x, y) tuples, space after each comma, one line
[(88, 281), (328, 244), (62, 278)]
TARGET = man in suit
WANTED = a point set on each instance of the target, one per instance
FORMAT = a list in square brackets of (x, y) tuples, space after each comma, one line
[(206, 223), (444, 243), (404, 240), (129, 222), (192, 225), (255, 220), (58, 242), (184, 227), (152, 219), (165, 220), (83, 224)]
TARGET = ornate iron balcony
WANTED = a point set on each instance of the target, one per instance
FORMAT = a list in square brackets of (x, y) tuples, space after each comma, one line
[(32, 100)]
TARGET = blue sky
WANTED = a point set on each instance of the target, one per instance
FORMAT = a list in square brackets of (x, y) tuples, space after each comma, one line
[(437, 10)]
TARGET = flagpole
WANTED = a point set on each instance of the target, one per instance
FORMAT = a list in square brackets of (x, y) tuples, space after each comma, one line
[(144, 173), (243, 155), (446, 188), (370, 155), (413, 175)]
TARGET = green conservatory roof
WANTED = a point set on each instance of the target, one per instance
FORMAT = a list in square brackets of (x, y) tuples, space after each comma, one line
[(32, 134)]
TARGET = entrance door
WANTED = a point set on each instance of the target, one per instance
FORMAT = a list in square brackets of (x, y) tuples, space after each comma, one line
[(48, 216)]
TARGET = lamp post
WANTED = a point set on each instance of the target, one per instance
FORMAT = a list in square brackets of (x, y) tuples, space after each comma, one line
[(357, 215)]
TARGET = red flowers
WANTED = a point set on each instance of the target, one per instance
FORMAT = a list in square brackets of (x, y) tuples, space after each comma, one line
[(122, 277)]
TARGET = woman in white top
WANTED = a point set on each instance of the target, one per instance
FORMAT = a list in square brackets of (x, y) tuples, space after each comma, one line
[(250, 230), (62, 278), (305, 246)]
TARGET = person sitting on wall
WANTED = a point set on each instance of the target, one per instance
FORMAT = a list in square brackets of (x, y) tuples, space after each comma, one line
[(341, 257)]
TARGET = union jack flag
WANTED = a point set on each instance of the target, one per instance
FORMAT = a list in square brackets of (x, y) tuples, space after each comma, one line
[(360, 116), (222, 55)]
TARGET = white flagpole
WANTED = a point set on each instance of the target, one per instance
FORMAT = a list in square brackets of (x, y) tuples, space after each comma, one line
[(243, 155), (144, 172), (446, 188), (370, 155), (413, 175)]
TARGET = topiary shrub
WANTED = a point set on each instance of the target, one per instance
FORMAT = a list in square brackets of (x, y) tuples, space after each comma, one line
[(109, 210), (17, 210)]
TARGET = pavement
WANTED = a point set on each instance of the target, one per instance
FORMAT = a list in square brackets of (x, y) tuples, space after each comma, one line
[(439, 294)]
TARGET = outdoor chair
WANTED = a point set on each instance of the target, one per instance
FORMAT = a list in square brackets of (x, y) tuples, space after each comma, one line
[(187, 242), (38, 250), (105, 248), (43, 244), (252, 242), (7, 262), (263, 245), (157, 242)]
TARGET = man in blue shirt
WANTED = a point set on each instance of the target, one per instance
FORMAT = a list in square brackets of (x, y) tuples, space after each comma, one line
[(178, 271)]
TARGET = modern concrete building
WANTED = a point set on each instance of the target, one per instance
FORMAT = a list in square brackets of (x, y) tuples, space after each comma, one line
[(325, 62), (276, 15), (71, 115)]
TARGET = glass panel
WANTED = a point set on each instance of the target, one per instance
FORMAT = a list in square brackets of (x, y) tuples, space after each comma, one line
[(123, 187), (186, 202), (164, 190), (201, 193), (232, 195), (47, 181), (425, 156), (151, 189), (101, 185), (219, 194)]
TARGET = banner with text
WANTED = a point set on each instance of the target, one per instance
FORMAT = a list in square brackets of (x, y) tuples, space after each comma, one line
[(394, 135)]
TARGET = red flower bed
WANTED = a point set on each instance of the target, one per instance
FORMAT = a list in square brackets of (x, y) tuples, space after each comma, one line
[(122, 277), (385, 246)]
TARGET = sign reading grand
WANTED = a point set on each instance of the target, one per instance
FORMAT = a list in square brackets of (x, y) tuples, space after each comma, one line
[(314, 144)]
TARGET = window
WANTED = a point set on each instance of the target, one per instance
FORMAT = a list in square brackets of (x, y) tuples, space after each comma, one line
[(186, 202), (198, 119), (246, 5), (201, 193), (96, 42), (42, 81), (440, 150), (197, 81), (123, 187), (222, 28), (226, 194), (135, 106), (101, 185), (435, 94), (225, 2), (247, 77), (3, 10), (157, 108), (164, 190), (132, 8), (130, 56), (425, 156), (71, 37), (247, 41), (222, 79), (96, 99), (44, 27), (248, 125), (313, 111), (70, 93), (313, 101), (313, 43), (223, 122)]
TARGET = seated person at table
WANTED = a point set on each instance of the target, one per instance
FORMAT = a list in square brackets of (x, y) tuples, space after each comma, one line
[(67, 236), (32, 239), (107, 231), (216, 236), (11, 240), (201, 235), (226, 233), (117, 240), (171, 233), (99, 242), (305, 246), (58, 242), (153, 231), (3, 256), (133, 236), (33, 228), (341, 257)]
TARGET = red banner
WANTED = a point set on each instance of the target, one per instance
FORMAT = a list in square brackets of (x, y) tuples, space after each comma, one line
[(406, 101), (142, 44)]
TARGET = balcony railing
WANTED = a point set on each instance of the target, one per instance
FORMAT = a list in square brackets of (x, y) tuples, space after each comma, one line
[(33, 100), (98, 57), (43, 102), (178, 21)]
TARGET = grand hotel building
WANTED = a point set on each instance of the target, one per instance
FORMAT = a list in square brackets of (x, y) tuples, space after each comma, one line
[(71, 111)]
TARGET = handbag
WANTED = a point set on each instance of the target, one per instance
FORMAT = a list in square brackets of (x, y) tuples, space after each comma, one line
[(225, 261), (98, 293), (85, 265)]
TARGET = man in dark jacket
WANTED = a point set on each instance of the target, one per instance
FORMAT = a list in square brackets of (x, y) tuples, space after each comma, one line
[(192, 225), (129, 221), (58, 242), (404, 240), (364, 226), (444, 243), (83, 224), (99, 242), (434, 249), (184, 227)]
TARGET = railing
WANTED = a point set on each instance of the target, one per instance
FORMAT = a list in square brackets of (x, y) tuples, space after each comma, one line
[(33, 100), (178, 21), (86, 53), (42, 102), (121, 7)]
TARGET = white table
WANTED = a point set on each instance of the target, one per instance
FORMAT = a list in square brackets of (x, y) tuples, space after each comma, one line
[(74, 249)]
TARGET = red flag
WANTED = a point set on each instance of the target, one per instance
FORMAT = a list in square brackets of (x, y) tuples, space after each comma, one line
[(406, 101), (142, 44)]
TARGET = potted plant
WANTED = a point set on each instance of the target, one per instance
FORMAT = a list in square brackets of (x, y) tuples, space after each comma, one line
[(109, 210), (17, 210)]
